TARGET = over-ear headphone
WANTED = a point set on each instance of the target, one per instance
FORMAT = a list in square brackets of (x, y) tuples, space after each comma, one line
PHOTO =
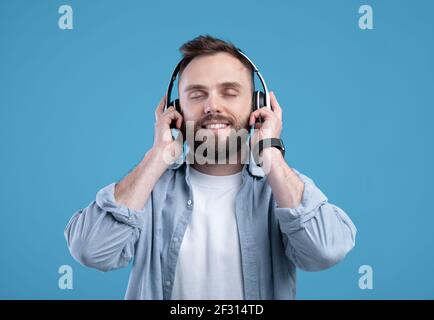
[(260, 99)]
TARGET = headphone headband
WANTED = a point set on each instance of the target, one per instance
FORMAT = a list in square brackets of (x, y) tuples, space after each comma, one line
[(263, 83), (171, 82), (255, 70)]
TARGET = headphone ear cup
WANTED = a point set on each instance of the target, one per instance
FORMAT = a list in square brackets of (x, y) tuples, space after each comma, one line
[(258, 100), (261, 102), (177, 105)]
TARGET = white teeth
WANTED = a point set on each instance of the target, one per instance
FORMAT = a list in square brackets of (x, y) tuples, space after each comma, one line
[(216, 126)]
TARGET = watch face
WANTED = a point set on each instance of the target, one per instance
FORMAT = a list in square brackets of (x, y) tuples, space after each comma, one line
[(281, 145)]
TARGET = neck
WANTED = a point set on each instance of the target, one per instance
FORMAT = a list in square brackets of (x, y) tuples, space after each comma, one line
[(221, 169), (218, 169)]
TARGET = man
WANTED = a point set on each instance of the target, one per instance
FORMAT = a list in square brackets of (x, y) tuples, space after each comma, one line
[(206, 229)]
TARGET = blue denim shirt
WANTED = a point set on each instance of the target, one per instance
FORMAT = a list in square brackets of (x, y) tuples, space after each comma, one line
[(274, 241)]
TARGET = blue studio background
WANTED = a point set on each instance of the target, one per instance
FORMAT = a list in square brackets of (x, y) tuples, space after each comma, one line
[(77, 113)]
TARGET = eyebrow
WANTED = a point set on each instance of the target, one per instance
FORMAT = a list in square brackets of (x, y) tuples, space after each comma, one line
[(229, 84), (234, 85), (192, 87)]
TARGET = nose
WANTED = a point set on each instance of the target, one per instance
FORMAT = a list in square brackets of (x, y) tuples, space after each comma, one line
[(211, 104)]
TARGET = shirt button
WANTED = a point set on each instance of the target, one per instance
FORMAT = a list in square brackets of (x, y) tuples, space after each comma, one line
[(189, 202), (175, 240), (168, 283)]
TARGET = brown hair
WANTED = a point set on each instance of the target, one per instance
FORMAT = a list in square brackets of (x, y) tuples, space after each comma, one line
[(208, 45)]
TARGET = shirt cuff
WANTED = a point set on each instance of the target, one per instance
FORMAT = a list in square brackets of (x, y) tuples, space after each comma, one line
[(106, 201), (292, 219)]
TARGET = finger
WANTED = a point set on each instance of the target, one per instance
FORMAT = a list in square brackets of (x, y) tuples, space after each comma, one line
[(275, 105), (262, 112), (259, 113), (160, 108), (258, 125), (171, 114)]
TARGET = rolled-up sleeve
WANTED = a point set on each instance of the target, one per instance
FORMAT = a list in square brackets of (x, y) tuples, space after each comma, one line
[(103, 235), (316, 234)]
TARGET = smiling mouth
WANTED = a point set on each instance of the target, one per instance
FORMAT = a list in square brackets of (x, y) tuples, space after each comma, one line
[(216, 126)]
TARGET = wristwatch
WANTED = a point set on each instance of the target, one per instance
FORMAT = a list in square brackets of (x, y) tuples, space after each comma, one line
[(266, 143)]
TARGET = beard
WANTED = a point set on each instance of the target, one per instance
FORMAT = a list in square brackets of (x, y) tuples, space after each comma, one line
[(222, 147)]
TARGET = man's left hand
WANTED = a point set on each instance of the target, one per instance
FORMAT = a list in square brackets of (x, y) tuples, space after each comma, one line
[(271, 125)]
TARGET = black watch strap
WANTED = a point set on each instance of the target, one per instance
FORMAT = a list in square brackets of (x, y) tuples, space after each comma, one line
[(267, 143)]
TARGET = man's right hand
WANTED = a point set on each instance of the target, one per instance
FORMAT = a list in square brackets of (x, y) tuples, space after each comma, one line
[(163, 141), (134, 190)]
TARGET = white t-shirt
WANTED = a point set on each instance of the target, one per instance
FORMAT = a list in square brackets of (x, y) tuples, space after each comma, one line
[(209, 262)]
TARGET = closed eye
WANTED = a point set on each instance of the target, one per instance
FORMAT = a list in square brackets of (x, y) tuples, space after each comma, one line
[(229, 92), (196, 94)]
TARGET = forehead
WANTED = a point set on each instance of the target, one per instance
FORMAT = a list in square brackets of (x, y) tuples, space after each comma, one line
[(210, 70)]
